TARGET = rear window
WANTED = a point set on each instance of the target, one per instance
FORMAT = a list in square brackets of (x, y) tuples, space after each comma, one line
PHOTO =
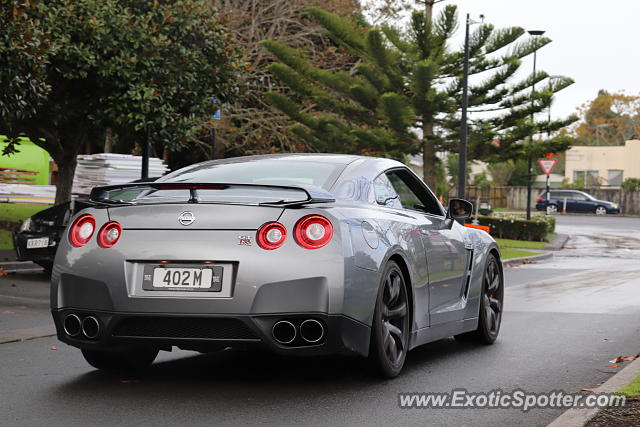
[(264, 171)]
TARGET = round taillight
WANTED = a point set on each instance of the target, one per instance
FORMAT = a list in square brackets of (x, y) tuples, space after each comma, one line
[(109, 234), (313, 231), (81, 230), (271, 235)]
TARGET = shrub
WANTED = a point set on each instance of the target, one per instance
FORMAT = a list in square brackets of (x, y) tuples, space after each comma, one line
[(512, 227), (631, 184)]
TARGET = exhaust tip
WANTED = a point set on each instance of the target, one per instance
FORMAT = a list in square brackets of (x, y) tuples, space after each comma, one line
[(72, 325), (90, 327), (312, 331), (284, 332)]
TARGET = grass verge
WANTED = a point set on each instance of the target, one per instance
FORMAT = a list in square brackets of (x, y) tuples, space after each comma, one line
[(6, 241), (631, 390), (510, 253), (520, 244)]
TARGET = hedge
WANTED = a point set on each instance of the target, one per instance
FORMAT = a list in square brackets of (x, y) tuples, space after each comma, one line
[(512, 227)]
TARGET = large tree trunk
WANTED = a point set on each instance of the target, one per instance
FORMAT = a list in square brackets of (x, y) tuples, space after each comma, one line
[(66, 170), (429, 159)]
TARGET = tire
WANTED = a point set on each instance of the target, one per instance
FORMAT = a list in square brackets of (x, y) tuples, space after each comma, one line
[(601, 210), (491, 305), (552, 209), (391, 323), (131, 360)]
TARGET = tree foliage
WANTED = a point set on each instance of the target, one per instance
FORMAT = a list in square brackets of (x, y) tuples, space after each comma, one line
[(403, 96), (24, 49), (129, 65), (249, 126), (609, 119)]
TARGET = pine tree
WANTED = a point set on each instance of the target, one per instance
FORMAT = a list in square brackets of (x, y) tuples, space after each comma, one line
[(403, 96)]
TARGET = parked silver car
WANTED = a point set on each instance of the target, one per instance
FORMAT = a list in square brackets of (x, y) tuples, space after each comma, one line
[(303, 254)]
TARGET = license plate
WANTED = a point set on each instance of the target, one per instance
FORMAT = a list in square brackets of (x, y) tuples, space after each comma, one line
[(42, 242), (186, 278)]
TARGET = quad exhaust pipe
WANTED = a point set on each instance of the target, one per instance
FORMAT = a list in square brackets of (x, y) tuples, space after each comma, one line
[(89, 327), (72, 325), (310, 330), (284, 332)]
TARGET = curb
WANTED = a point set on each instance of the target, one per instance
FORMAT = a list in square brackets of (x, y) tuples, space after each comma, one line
[(579, 417), (27, 334), (558, 243), (524, 259)]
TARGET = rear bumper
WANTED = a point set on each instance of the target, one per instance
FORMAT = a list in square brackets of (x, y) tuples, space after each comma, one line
[(37, 255), (205, 332)]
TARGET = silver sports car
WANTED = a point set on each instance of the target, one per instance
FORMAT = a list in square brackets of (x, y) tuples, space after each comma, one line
[(303, 254)]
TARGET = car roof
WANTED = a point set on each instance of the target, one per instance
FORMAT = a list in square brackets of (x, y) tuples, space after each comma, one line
[(338, 159)]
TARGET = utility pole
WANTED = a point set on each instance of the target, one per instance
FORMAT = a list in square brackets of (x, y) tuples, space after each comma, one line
[(462, 159), (146, 148), (529, 155)]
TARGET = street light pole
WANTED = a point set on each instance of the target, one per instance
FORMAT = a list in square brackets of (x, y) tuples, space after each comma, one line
[(462, 158), (529, 156)]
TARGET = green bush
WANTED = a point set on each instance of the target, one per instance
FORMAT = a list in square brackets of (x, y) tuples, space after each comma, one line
[(631, 184), (513, 227)]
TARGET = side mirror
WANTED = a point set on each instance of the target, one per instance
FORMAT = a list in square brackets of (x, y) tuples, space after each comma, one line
[(459, 210)]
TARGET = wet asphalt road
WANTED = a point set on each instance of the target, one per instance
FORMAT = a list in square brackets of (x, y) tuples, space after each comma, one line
[(565, 318)]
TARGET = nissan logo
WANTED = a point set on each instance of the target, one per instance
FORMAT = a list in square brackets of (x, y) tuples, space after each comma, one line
[(186, 218)]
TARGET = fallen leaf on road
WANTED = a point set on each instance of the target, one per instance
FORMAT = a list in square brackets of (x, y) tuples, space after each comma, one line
[(8, 312), (53, 347), (528, 261), (2, 272), (617, 360), (589, 389), (13, 285), (613, 366), (607, 372), (629, 358), (129, 381)]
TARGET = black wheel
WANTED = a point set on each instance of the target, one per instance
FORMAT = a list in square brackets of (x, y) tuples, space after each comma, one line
[(491, 305), (391, 323), (132, 360)]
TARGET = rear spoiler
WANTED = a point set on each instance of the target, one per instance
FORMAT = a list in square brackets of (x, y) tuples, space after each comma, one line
[(314, 194)]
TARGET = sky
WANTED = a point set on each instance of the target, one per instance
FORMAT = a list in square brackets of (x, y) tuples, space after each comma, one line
[(595, 42)]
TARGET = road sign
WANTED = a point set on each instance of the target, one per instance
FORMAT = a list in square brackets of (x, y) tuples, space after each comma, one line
[(547, 165), (217, 115)]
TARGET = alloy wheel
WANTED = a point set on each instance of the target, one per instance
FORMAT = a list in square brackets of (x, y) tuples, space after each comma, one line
[(395, 321), (492, 298), (601, 210)]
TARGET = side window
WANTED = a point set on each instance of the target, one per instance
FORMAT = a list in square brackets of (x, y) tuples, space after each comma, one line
[(412, 193), (385, 193), (578, 196)]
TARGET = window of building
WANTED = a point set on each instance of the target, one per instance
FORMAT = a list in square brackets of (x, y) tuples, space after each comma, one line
[(589, 178), (615, 177)]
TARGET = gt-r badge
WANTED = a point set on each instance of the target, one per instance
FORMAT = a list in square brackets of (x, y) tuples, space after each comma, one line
[(244, 240), (186, 218)]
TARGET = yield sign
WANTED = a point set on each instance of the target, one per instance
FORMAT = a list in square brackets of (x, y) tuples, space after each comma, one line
[(547, 165)]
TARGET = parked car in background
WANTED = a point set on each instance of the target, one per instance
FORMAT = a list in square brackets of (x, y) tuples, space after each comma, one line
[(37, 238), (577, 202)]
